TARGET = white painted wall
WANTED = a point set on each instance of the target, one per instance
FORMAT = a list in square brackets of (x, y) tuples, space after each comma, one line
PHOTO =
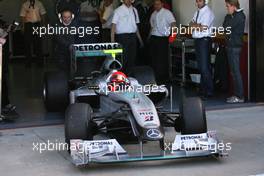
[(184, 10)]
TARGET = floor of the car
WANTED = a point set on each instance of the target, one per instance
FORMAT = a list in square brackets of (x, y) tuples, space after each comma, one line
[(26, 94)]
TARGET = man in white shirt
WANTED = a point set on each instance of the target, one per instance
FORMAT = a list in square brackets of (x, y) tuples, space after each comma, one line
[(33, 14), (106, 13), (202, 23), (162, 21), (125, 31)]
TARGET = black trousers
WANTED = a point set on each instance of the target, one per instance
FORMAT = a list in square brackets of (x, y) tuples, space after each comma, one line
[(5, 92), (203, 53), (106, 35), (32, 42), (63, 60), (158, 53), (129, 44)]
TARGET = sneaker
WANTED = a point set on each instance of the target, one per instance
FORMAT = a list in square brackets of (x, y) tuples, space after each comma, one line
[(235, 99), (9, 117), (9, 108)]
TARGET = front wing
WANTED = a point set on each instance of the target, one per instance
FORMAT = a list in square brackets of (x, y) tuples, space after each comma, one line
[(110, 151)]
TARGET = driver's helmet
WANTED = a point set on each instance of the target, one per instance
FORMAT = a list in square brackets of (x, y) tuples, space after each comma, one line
[(118, 80)]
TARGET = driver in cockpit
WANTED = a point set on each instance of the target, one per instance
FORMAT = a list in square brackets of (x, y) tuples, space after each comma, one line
[(118, 82)]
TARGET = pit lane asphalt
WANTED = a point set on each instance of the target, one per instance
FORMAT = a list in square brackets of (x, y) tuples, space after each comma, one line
[(242, 127)]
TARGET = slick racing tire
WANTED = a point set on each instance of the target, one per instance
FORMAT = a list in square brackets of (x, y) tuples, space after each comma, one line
[(78, 124), (193, 117), (178, 121), (55, 91), (144, 75)]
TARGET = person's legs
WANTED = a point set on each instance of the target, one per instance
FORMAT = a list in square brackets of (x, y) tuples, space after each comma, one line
[(153, 49), (120, 39), (202, 47), (158, 52), (132, 51), (106, 35), (5, 92), (234, 64), (163, 59), (37, 44), (129, 44), (7, 108), (63, 60), (28, 39)]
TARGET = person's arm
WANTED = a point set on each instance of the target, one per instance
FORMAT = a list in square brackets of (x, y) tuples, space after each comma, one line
[(137, 32), (113, 28), (173, 28), (101, 13), (113, 31), (43, 20), (3, 33), (192, 23), (151, 26), (206, 21), (140, 39), (2, 41), (172, 21), (238, 22), (23, 18), (199, 27), (42, 12)]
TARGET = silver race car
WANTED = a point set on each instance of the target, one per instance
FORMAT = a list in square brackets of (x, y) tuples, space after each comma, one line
[(108, 110)]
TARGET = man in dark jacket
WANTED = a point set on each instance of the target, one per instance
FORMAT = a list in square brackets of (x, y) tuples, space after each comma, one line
[(65, 40), (235, 21)]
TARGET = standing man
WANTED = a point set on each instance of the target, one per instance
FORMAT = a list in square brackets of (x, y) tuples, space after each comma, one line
[(161, 21), (201, 24), (235, 19), (8, 110), (33, 15), (125, 31), (106, 13), (64, 41)]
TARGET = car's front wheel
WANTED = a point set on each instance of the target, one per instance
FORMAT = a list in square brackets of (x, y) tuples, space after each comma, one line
[(78, 122), (193, 116)]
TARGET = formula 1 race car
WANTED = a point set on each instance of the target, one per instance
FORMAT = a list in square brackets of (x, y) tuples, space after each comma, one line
[(108, 108)]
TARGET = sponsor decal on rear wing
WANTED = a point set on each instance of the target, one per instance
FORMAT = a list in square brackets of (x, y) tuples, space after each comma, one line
[(99, 49)]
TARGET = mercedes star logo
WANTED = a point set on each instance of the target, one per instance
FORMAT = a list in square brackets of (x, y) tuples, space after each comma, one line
[(153, 133)]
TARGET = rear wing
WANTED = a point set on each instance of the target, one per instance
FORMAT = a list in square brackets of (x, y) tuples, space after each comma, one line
[(80, 51), (98, 49)]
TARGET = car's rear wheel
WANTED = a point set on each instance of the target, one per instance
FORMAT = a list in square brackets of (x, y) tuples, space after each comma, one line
[(144, 75), (193, 116), (55, 91), (78, 122)]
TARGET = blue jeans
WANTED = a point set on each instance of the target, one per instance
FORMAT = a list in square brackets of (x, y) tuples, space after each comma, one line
[(233, 55), (203, 49)]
